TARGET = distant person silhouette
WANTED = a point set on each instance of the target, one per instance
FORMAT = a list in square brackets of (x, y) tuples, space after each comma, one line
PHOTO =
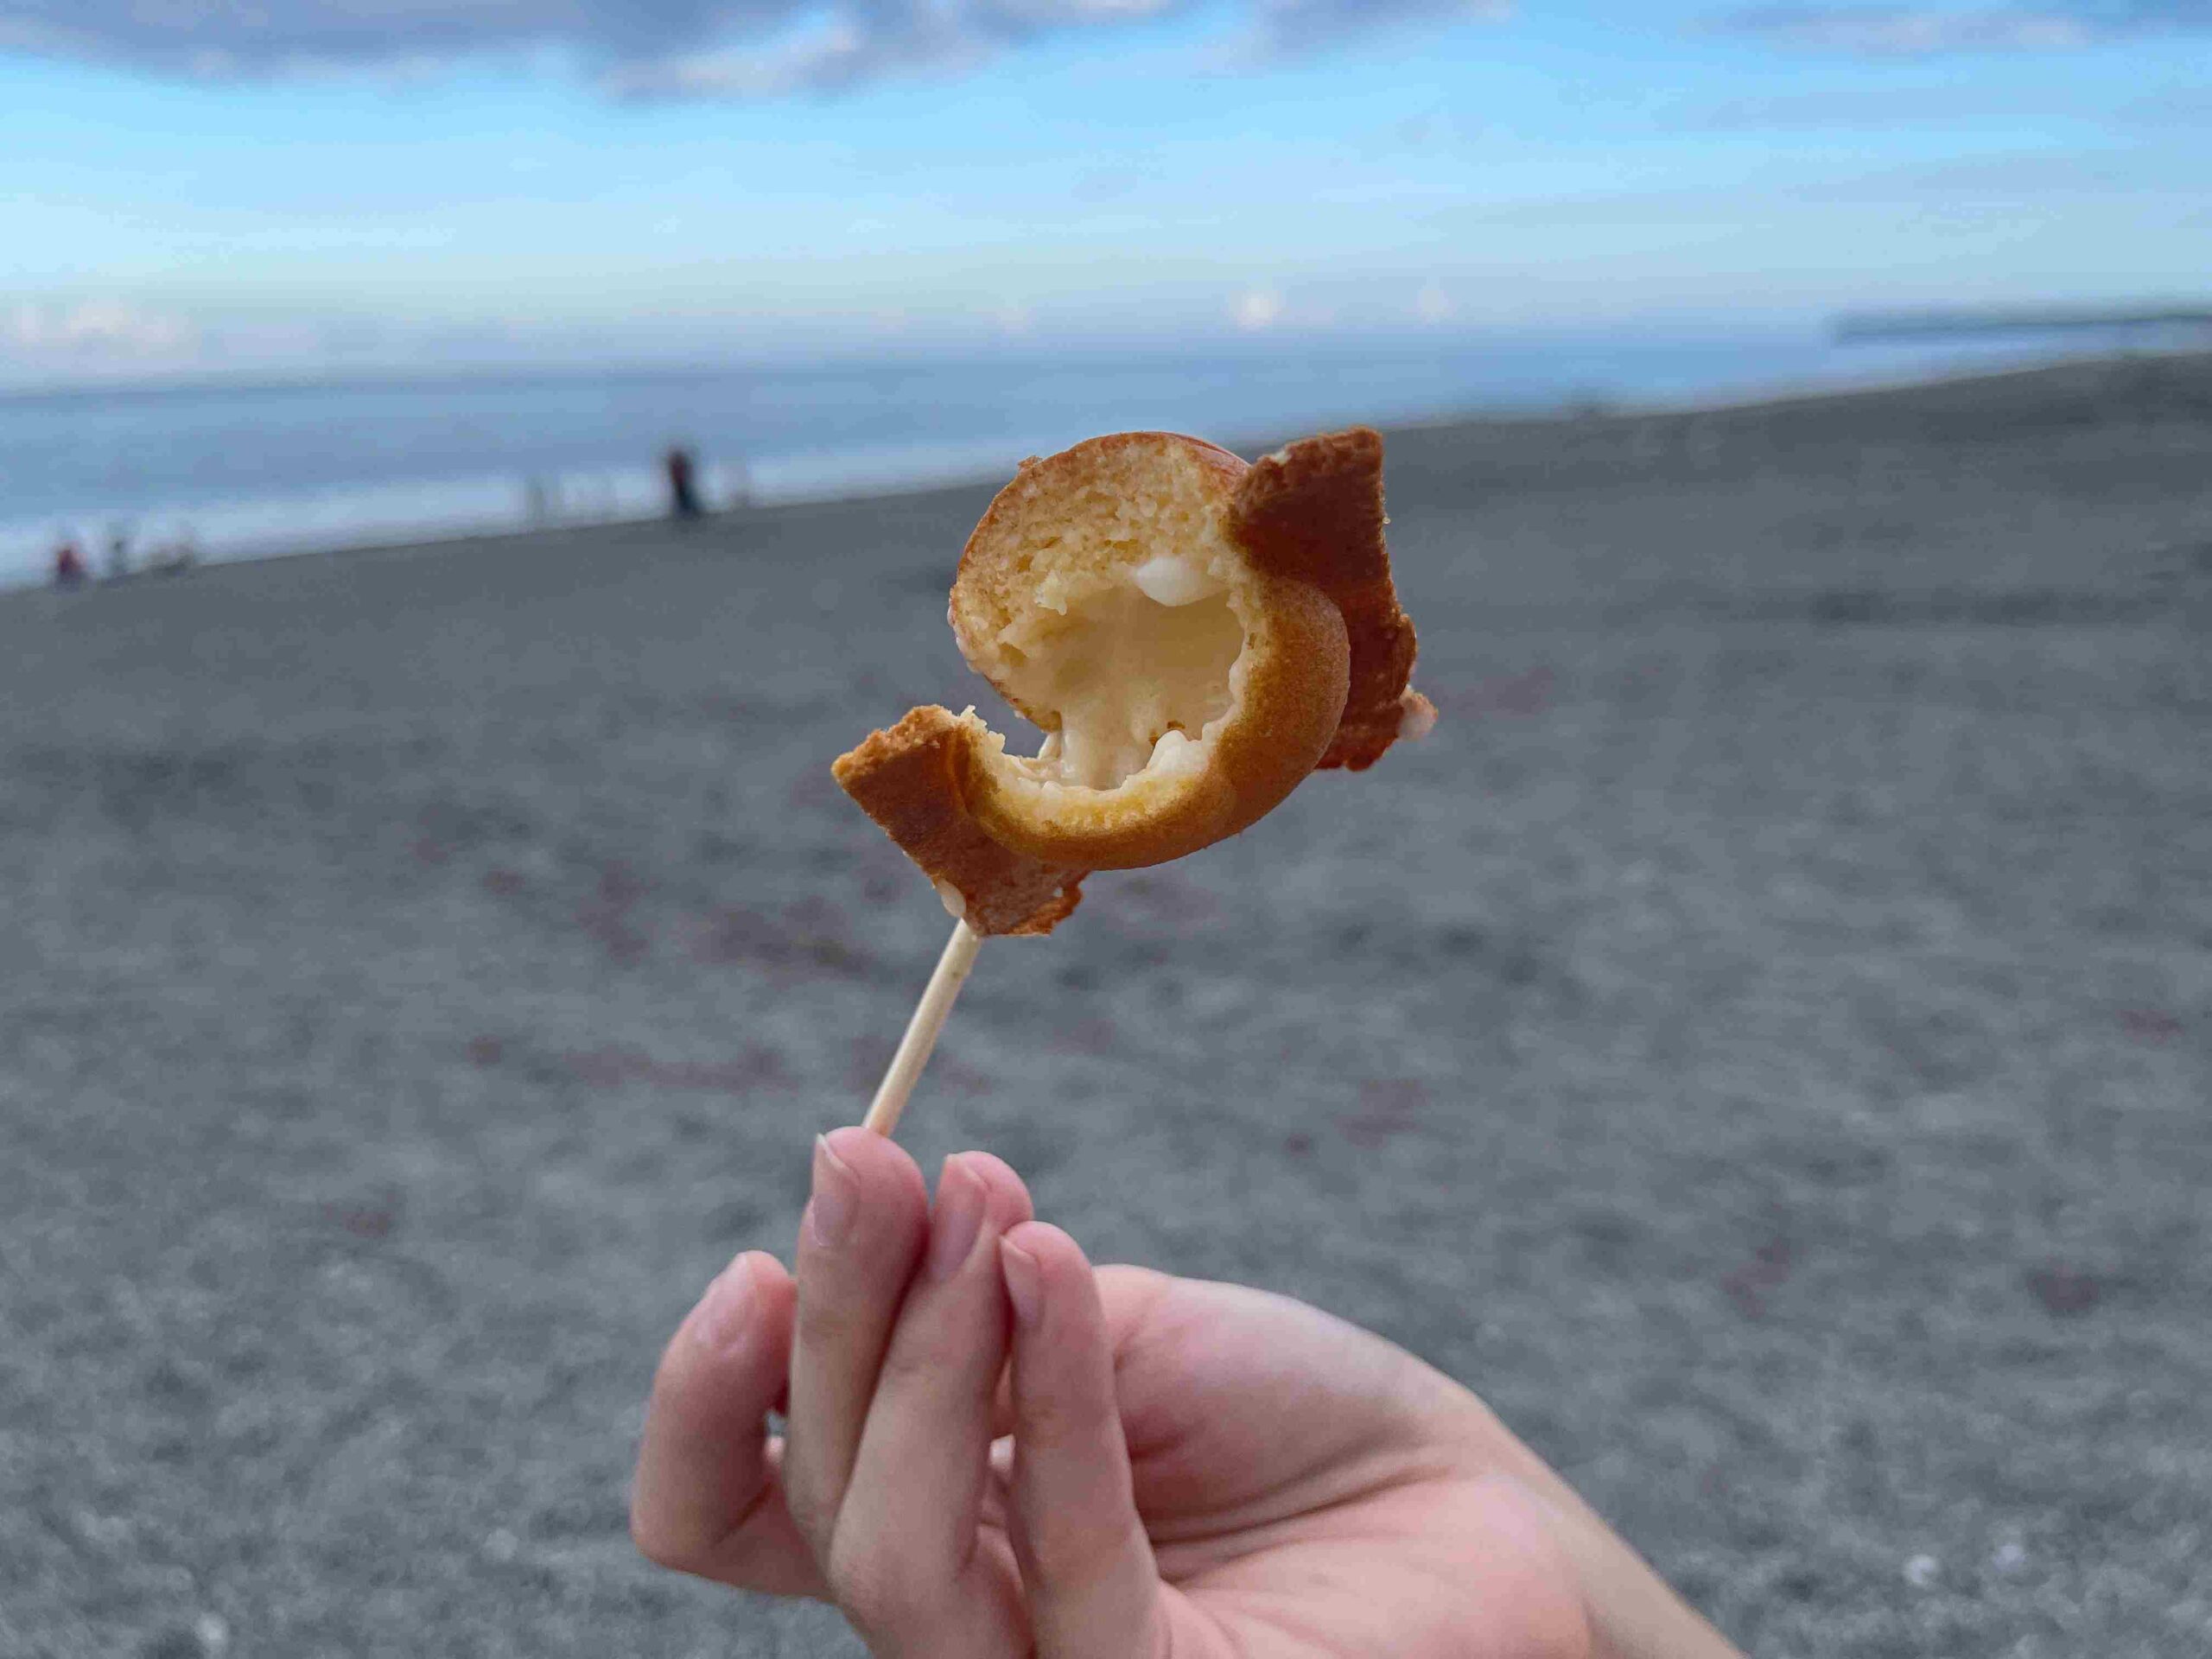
[(682, 483), (179, 557), (118, 553), (68, 565)]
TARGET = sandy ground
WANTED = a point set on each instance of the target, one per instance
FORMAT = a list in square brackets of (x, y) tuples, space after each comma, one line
[(1762, 1042)]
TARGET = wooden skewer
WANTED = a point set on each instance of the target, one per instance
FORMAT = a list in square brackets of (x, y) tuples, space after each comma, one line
[(952, 969)]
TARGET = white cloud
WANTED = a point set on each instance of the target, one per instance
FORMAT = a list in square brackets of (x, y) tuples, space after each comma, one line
[(651, 48), (94, 328), (1289, 28), (1047, 13), (1256, 309), (831, 57)]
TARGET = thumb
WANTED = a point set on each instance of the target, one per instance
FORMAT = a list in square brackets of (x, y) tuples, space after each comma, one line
[(1086, 1565)]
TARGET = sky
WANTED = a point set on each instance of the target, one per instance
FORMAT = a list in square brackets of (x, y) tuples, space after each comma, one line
[(190, 187)]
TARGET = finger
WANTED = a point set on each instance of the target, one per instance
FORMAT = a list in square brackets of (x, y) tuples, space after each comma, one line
[(859, 1244), (906, 1556), (1132, 1297), (1086, 1563), (708, 1497)]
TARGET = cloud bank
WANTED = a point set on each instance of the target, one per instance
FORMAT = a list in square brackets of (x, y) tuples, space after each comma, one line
[(91, 329), (655, 49)]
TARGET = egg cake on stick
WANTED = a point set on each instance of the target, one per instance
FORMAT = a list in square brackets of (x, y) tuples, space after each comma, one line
[(1194, 636)]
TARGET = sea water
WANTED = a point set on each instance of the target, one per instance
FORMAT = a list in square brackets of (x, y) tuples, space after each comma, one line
[(248, 470)]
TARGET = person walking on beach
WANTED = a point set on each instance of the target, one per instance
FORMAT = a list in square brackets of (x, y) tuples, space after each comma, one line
[(68, 565), (119, 552), (179, 556), (682, 483)]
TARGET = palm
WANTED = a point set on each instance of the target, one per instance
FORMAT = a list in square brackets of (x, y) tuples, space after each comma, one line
[(1337, 1505)]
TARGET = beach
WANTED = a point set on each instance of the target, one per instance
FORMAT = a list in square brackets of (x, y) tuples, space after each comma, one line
[(1760, 1042)]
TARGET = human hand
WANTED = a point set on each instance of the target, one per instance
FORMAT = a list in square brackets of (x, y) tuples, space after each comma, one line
[(1165, 1466)]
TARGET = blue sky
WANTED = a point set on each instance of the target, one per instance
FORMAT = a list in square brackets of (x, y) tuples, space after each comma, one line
[(231, 186)]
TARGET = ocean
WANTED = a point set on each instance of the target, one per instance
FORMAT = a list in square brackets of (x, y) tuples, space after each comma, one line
[(251, 470)]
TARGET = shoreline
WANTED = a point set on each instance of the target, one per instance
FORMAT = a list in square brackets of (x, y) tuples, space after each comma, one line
[(1580, 415)]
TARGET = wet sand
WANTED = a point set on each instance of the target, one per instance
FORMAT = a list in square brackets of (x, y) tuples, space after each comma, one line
[(1761, 1042)]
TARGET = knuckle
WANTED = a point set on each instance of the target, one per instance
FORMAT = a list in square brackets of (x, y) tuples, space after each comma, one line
[(869, 1587), (662, 1543), (891, 1572)]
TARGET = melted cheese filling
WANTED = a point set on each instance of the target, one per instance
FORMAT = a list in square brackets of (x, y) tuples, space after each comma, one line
[(1137, 668)]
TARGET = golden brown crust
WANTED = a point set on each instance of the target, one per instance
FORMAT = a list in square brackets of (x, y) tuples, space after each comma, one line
[(1040, 483), (1313, 511), (1328, 653), (907, 779), (1294, 694)]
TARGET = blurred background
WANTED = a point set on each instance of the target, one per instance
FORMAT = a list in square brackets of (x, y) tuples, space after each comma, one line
[(467, 468), (314, 274)]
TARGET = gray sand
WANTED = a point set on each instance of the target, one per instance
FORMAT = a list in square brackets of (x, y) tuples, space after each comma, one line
[(1762, 1043)]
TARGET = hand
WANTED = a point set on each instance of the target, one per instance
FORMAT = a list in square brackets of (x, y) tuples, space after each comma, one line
[(1166, 1467)]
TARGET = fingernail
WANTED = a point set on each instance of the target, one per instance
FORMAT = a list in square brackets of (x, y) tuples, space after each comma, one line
[(1025, 1283), (959, 1218), (836, 1195), (726, 1308)]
